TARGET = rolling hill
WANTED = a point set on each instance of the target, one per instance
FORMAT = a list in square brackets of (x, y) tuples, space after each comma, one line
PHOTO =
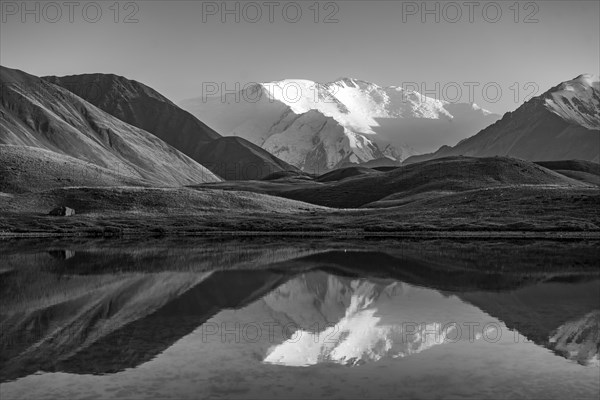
[(145, 108), (149, 201), (585, 171), (448, 175), (40, 115), (561, 124), (357, 187)]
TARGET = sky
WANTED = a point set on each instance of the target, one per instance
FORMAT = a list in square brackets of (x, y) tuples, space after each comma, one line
[(471, 53)]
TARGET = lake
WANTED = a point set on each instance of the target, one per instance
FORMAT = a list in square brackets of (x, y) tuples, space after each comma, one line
[(262, 318)]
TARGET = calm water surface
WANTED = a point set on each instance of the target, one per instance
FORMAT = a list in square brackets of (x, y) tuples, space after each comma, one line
[(299, 320)]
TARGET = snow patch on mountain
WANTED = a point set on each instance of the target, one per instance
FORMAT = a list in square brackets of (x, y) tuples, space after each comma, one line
[(577, 101), (315, 142)]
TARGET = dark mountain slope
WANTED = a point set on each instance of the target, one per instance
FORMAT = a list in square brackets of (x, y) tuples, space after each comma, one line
[(140, 106), (234, 158), (343, 173), (39, 114)]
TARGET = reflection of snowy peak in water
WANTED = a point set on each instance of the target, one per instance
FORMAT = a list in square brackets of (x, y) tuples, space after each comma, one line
[(579, 339), (354, 321)]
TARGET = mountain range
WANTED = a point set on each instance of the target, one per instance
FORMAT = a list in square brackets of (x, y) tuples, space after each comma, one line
[(288, 125), (319, 127), (104, 144), (144, 108)]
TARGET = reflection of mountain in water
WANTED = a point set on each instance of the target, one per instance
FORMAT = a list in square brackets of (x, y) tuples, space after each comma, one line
[(579, 339), (355, 321), (123, 325), (354, 310), (561, 316)]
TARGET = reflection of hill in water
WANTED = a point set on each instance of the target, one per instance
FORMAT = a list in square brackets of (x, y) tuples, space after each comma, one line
[(103, 321), (153, 255), (564, 317)]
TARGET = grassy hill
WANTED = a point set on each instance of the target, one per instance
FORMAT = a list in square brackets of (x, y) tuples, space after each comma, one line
[(24, 169), (139, 201), (585, 171), (355, 187), (426, 179)]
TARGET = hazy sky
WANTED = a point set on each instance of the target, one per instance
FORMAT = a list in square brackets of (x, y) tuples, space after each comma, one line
[(172, 49)]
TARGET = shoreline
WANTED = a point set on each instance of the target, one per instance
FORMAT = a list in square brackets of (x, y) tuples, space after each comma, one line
[(466, 235)]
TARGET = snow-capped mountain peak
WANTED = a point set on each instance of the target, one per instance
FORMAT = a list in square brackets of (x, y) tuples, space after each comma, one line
[(588, 80), (560, 124), (577, 101), (302, 95), (353, 83), (321, 126)]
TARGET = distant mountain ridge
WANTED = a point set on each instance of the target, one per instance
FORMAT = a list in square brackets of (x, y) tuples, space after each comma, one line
[(561, 124), (318, 127), (145, 108)]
